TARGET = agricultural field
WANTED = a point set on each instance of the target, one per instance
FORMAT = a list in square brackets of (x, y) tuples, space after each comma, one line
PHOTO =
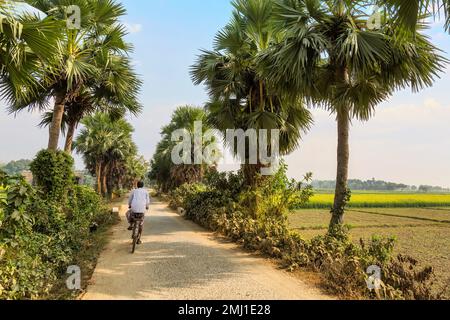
[(383, 200), (423, 233)]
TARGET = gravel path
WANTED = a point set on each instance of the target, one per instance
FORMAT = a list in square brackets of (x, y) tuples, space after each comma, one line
[(181, 261)]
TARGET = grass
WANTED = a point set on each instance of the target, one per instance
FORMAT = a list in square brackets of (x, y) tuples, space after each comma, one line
[(423, 233), (383, 200)]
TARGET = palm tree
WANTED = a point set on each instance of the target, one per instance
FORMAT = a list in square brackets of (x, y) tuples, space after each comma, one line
[(241, 98), (75, 61), (114, 93), (136, 170), (25, 39), (410, 12), (106, 145), (163, 170), (332, 59)]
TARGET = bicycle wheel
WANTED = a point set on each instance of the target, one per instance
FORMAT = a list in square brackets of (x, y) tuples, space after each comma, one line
[(135, 237)]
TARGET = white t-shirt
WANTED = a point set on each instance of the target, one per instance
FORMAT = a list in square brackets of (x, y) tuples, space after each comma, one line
[(139, 200)]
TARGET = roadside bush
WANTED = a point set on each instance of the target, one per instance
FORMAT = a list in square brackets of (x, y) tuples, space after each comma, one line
[(205, 207), (178, 198), (413, 282), (276, 196), (53, 173), (23, 275), (228, 182), (40, 236)]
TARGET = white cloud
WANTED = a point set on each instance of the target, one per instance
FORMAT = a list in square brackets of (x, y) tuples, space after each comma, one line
[(133, 28), (440, 36), (136, 63)]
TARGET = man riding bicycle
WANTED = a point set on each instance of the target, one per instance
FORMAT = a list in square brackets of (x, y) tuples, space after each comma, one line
[(138, 203)]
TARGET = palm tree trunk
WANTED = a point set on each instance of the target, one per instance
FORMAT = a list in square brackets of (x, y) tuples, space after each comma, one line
[(104, 181), (99, 177), (253, 180), (55, 126), (69, 138), (250, 171), (343, 156)]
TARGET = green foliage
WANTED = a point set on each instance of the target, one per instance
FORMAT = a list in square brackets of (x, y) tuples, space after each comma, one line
[(163, 171), (40, 236), (53, 173), (109, 153), (205, 207), (26, 39), (24, 275), (277, 195), (13, 216), (182, 195), (228, 182), (16, 167)]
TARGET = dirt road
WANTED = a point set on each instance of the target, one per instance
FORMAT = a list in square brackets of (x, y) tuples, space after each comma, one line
[(179, 260)]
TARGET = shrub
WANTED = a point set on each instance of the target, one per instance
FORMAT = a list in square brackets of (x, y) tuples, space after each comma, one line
[(53, 173), (40, 235), (179, 197), (228, 182), (23, 275), (404, 274), (276, 196)]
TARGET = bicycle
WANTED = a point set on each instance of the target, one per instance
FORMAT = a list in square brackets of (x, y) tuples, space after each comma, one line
[(138, 220)]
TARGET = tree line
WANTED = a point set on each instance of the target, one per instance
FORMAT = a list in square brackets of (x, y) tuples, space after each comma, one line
[(377, 185)]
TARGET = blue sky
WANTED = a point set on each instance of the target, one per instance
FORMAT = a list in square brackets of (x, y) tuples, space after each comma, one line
[(407, 141)]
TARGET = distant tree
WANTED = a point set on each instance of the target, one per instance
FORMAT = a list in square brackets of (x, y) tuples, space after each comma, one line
[(425, 188), (163, 171), (16, 167), (106, 146), (369, 185)]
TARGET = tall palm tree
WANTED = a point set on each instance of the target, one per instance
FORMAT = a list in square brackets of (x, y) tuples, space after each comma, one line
[(410, 12), (241, 98), (106, 145), (331, 58), (25, 39), (115, 93), (163, 170), (74, 62)]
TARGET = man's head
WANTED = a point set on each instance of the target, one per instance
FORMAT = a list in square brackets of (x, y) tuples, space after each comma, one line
[(140, 184)]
